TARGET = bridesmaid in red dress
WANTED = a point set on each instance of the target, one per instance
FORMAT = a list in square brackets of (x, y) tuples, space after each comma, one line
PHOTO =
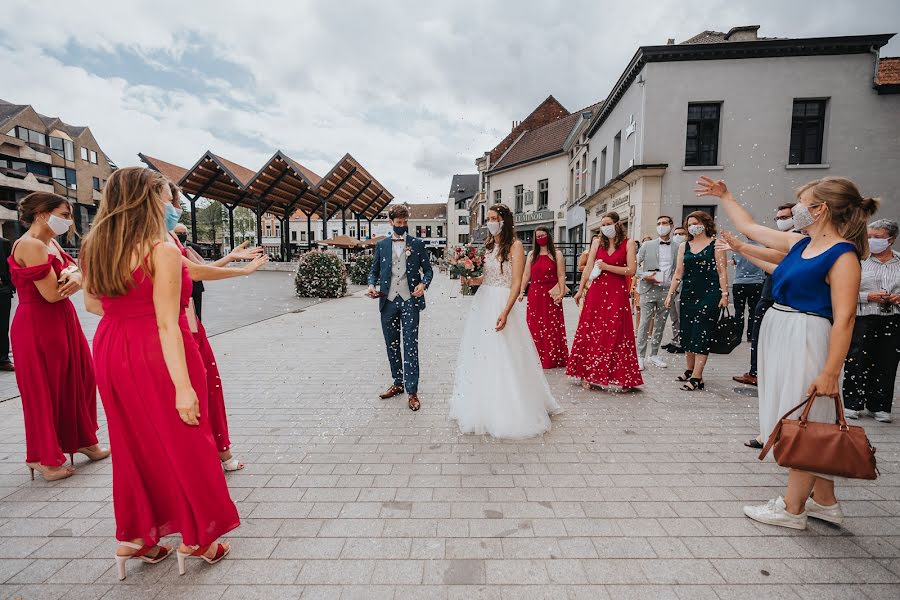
[(200, 271), (604, 352), (167, 478), (55, 373), (546, 272)]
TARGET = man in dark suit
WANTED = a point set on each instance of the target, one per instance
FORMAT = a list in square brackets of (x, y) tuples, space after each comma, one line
[(402, 272), (6, 293), (181, 232)]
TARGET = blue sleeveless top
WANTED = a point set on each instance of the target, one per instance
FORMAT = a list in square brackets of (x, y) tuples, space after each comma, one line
[(800, 282)]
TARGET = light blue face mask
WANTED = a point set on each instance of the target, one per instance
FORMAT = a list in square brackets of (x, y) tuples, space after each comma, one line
[(172, 216)]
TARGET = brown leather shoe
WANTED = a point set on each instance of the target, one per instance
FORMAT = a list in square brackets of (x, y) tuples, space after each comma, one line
[(394, 390), (7, 366), (414, 403), (746, 379)]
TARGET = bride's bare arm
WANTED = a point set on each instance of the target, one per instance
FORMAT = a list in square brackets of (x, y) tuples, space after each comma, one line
[(517, 260)]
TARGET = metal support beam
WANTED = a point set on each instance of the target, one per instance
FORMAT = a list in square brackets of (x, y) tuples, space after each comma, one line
[(358, 228), (231, 223), (258, 223), (371, 203), (193, 202)]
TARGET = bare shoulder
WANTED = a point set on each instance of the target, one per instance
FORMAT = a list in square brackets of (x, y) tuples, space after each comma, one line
[(559, 255), (518, 247), (166, 254)]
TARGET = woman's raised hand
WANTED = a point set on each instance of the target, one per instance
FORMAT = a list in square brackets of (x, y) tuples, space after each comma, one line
[(710, 187)]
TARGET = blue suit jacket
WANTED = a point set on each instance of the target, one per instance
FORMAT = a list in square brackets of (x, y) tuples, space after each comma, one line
[(418, 268)]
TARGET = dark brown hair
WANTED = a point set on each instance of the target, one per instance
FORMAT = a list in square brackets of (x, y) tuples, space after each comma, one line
[(507, 233), (705, 219), (551, 247), (176, 194), (787, 206), (668, 218), (398, 211), (36, 203), (620, 231), (847, 209)]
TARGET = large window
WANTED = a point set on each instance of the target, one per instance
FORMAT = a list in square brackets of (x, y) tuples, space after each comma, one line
[(702, 143), (93, 157), (461, 203), (543, 194), (520, 198), (602, 179), (62, 147), (807, 132), (84, 153), (593, 176), (463, 219), (617, 151), (64, 177), (498, 196)]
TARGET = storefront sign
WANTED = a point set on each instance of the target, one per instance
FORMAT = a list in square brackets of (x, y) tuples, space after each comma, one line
[(532, 217)]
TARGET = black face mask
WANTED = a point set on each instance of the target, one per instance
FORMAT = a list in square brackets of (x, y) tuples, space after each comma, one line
[(182, 237), (400, 230)]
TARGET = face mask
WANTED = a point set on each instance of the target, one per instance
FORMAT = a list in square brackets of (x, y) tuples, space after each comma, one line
[(802, 217), (494, 227), (182, 237), (608, 230), (785, 224), (172, 216), (400, 230), (663, 229), (878, 245), (696, 229), (679, 239), (58, 225), (542, 241)]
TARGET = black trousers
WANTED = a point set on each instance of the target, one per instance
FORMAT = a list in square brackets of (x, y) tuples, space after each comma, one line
[(197, 295), (758, 313), (5, 308), (871, 365), (746, 294)]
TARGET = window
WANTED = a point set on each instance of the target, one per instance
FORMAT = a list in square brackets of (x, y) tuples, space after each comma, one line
[(56, 144), (463, 219), (418, 231), (352, 231), (461, 203), (37, 138), (498, 197), (428, 231), (593, 176), (58, 174), (84, 153), (68, 150), (268, 230), (543, 194), (293, 236), (702, 143), (807, 132), (689, 208), (440, 231), (96, 183), (312, 236), (617, 148), (302, 236), (18, 165), (464, 238), (603, 167), (277, 229), (520, 198), (482, 213), (23, 133), (93, 157)]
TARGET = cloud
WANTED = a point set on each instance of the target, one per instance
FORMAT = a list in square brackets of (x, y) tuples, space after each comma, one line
[(414, 90)]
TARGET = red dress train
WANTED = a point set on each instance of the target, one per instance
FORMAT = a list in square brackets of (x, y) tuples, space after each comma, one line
[(544, 316), (167, 476), (604, 351), (54, 370)]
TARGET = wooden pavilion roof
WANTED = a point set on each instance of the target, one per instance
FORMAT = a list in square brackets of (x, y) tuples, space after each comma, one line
[(283, 185), (216, 178), (349, 186)]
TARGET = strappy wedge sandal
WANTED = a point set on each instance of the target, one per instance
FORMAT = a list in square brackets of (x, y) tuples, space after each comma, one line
[(693, 384), (686, 376), (222, 550), (140, 552)]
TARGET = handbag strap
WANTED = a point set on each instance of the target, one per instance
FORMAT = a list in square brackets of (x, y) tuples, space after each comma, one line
[(808, 402)]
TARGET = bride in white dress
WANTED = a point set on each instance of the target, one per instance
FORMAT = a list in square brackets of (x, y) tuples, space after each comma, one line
[(500, 387)]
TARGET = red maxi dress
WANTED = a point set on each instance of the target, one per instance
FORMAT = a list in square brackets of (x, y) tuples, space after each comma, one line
[(53, 368), (167, 477), (218, 420), (604, 351), (544, 316)]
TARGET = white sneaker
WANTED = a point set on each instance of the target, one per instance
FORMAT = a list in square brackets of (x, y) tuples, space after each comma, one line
[(832, 514), (656, 361), (640, 364), (882, 416), (774, 513), (851, 414)]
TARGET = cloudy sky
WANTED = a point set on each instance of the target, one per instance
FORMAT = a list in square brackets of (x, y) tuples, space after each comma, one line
[(414, 90)]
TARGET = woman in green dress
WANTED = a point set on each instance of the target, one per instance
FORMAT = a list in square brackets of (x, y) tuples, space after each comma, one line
[(702, 270)]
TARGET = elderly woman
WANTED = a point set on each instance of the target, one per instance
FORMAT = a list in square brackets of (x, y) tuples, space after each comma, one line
[(871, 365)]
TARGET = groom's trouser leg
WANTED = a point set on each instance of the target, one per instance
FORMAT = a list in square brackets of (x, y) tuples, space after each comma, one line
[(410, 316), (390, 327)]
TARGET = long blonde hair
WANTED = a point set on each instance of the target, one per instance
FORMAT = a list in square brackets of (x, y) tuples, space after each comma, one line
[(847, 209), (130, 221)]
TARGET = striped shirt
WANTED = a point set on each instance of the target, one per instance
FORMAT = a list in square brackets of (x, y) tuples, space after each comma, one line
[(878, 276)]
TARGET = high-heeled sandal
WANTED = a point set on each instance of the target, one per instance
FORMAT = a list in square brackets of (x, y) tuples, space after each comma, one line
[(686, 376), (141, 553), (93, 455), (48, 473), (232, 464), (222, 551), (693, 384)]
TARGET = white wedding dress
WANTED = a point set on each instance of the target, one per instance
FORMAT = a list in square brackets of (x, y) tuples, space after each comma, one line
[(500, 387)]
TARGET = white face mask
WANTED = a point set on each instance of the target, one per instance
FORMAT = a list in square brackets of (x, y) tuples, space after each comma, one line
[(785, 224), (494, 227), (608, 230), (802, 217), (878, 245), (663, 230), (696, 229), (679, 239), (58, 225)]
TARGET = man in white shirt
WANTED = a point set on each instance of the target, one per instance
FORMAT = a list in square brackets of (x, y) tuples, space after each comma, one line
[(655, 265)]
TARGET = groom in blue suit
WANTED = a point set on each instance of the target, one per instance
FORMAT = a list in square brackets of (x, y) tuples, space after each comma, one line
[(402, 272)]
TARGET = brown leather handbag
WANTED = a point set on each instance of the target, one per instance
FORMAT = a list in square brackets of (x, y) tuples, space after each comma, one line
[(830, 448)]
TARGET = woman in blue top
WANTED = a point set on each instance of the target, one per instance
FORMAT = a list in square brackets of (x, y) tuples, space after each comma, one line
[(805, 338)]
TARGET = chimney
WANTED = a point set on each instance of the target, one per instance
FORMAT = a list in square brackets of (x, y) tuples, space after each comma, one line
[(744, 33), (670, 42)]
